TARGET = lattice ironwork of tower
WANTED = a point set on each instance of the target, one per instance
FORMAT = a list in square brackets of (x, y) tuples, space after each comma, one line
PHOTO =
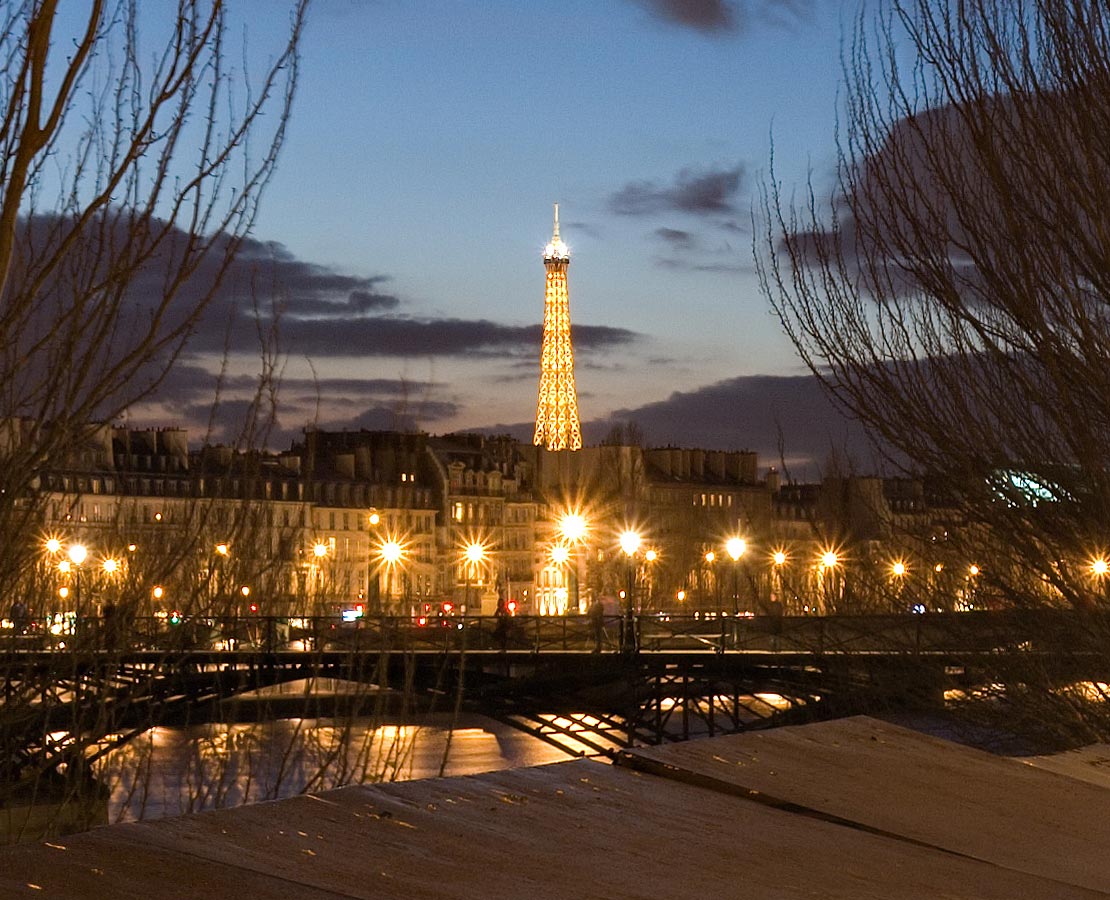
[(557, 424)]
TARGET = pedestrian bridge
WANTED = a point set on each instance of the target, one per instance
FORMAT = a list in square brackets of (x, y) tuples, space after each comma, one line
[(636, 680)]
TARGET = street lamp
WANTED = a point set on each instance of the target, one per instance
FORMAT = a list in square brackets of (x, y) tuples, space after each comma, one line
[(649, 558), (77, 554), (736, 547), (573, 528), (392, 554), (829, 562), (778, 593), (710, 557), (475, 555), (560, 554), (629, 543), (898, 572)]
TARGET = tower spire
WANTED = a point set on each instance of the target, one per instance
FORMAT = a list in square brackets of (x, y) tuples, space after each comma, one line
[(557, 424)]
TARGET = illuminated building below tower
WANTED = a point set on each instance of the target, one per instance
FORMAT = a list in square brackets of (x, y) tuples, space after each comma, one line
[(557, 424)]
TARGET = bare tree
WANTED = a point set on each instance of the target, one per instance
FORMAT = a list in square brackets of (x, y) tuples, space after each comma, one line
[(132, 159), (953, 291), (133, 154)]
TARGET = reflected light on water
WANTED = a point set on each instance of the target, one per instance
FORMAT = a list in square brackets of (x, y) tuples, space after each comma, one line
[(169, 771)]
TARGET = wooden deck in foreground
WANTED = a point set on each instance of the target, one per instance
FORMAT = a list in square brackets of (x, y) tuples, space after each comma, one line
[(854, 808)]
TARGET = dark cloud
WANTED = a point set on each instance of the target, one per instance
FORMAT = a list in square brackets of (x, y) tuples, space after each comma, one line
[(685, 265), (721, 17), (709, 16), (586, 228), (681, 240), (749, 412), (266, 296), (694, 191), (935, 183), (392, 336)]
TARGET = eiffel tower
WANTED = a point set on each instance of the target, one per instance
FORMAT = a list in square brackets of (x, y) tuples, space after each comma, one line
[(557, 425)]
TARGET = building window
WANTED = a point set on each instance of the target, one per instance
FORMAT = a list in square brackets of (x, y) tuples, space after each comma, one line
[(458, 511)]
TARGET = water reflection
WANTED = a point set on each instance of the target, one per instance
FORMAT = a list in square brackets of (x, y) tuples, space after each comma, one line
[(170, 771)]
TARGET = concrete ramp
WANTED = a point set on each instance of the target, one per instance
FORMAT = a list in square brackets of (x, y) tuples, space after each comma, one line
[(890, 780), (856, 809)]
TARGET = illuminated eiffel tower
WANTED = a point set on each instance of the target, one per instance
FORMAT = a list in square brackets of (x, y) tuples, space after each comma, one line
[(557, 425)]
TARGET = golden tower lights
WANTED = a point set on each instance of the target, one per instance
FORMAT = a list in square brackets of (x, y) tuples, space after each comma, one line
[(557, 424)]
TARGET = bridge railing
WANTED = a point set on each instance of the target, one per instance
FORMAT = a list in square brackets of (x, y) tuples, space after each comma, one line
[(976, 631)]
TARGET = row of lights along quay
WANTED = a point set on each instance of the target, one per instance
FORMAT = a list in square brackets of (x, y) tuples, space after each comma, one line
[(411, 524)]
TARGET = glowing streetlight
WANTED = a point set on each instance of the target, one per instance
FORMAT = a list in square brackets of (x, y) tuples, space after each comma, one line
[(374, 518), (53, 545), (77, 554), (158, 592), (392, 552), (560, 553), (475, 555), (898, 568), (222, 549), (778, 558), (1099, 567), (973, 570), (710, 558), (735, 547), (630, 543), (572, 527), (319, 550), (829, 559), (110, 566)]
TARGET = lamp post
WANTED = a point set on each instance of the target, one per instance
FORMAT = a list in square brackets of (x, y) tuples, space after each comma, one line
[(475, 554), (317, 572), (778, 592), (710, 558), (649, 559), (573, 528), (392, 554), (829, 562), (77, 554), (560, 554), (736, 547), (898, 575), (629, 543)]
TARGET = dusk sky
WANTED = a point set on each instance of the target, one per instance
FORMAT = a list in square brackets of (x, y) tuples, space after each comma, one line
[(403, 231)]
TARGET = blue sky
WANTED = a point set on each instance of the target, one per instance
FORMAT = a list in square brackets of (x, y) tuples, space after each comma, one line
[(428, 142)]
